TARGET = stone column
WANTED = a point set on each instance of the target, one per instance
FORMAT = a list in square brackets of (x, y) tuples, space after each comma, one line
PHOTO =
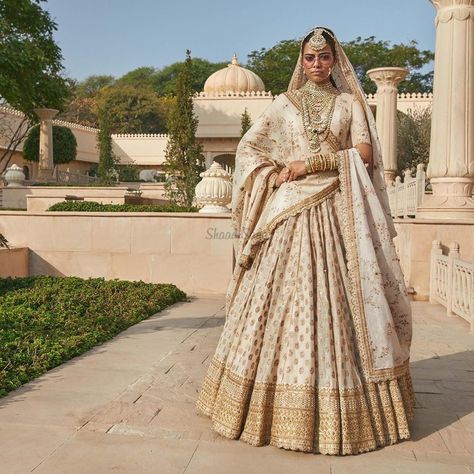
[(387, 80), (451, 163), (46, 164), (208, 159)]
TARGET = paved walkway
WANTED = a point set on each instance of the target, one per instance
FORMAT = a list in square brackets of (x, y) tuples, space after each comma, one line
[(128, 407)]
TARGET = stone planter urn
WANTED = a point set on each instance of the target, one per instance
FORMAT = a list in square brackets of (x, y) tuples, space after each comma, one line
[(14, 176), (214, 191)]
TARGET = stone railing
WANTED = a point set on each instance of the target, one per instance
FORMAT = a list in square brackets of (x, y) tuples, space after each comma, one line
[(139, 135), (452, 282), (73, 177), (406, 196)]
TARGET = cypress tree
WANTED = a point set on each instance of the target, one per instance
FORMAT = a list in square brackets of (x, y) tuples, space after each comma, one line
[(183, 156), (245, 123), (107, 160)]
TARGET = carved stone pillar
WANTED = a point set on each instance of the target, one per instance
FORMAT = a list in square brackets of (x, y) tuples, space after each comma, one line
[(451, 163), (46, 164), (387, 80)]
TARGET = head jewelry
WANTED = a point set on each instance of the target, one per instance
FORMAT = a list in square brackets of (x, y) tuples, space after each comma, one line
[(317, 41)]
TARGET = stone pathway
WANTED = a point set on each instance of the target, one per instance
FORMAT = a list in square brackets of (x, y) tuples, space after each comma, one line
[(128, 407)]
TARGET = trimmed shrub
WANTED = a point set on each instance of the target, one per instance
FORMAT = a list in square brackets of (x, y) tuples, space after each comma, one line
[(92, 206), (45, 321), (64, 145)]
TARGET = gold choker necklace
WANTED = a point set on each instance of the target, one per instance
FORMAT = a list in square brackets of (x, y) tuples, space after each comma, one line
[(317, 105)]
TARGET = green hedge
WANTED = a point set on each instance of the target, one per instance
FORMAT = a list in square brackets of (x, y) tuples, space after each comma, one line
[(45, 321), (91, 206)]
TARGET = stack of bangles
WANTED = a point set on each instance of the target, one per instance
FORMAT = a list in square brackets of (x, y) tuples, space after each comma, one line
[(321, 162)]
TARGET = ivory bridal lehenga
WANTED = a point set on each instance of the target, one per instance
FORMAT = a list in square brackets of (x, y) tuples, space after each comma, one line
[(314, 353)]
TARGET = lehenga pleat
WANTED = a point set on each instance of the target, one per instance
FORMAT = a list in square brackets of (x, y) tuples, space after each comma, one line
[(286, 370)]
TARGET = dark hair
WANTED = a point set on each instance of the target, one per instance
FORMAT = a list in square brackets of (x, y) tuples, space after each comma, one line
[(328, 36)]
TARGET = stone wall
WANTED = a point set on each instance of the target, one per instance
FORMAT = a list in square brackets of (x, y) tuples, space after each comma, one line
[(191, 250), (13, 262), (414, 240)]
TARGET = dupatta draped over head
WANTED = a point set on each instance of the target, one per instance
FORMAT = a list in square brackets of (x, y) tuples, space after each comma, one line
[(378, 300)]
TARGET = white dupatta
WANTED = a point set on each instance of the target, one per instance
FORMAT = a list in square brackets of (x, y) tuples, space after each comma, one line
[(378, 298)]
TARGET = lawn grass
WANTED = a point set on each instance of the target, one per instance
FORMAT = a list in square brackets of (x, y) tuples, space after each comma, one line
[(45, 321)]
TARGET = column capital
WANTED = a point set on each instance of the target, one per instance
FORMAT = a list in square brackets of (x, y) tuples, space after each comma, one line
[(387, 76), (448, 9), (46, 114)]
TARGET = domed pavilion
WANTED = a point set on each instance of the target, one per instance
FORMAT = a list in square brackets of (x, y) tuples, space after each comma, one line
[(219, 108)]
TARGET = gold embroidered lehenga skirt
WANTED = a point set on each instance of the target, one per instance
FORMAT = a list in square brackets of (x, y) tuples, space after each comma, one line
[(286, 370)]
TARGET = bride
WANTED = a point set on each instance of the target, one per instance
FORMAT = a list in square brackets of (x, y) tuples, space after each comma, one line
[(314, 353)]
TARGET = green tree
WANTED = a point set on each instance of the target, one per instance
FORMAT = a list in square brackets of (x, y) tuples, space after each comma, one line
[(164, 82), (141, 77), (184, 160), (30, 60), (30, 66), (92, 85), (107, 159), (368, 53), (245, 123), (413, 138), (275, 65), (82, 110), (64, 145), (133, 109)]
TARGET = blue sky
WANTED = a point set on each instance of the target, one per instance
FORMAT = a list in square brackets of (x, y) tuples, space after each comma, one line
[(116, 36)]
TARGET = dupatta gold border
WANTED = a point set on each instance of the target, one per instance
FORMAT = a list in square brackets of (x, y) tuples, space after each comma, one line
[(356, 299)]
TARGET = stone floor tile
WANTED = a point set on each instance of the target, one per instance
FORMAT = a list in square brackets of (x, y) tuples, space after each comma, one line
[(24, 446), (102, 453)]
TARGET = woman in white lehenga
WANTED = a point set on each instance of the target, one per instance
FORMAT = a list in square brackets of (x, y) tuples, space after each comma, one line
[(314, 354)]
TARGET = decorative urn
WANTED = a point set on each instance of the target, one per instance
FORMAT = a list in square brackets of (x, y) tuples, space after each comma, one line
[(214, 191), (14, 176)]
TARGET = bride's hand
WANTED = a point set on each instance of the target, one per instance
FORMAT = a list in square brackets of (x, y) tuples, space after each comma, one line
[(297, 168), (282, 177)]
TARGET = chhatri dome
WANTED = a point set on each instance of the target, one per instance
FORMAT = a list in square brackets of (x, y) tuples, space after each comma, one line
[(233, 78)]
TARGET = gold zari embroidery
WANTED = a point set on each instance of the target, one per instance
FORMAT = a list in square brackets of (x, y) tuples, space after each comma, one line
[(306, 418)]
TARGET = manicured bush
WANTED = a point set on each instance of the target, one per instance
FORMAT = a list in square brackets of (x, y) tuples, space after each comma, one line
[(45, 321), (92, 206), (64, 145)]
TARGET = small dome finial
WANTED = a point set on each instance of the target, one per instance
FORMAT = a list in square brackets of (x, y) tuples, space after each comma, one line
[(234, 60)]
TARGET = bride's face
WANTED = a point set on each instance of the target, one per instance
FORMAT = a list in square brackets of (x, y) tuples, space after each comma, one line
[(317, 64)]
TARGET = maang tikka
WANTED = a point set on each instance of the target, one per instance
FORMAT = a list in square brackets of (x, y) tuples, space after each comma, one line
[(317, 41)]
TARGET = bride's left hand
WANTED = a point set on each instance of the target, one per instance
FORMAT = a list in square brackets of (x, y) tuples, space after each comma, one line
[(297, 168)]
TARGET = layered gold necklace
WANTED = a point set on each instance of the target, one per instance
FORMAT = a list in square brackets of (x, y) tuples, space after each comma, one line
[(317, 106)]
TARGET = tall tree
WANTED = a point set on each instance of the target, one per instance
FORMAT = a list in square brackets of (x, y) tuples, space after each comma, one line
[(107, 159), (30, 65), (245, 122), (184, 160), (368, 53), (413, 138), (164, 82), (92, 85), (133, 109), (275, 65), (141, 77)]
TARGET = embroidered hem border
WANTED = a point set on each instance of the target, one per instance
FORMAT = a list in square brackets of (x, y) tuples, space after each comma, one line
[(307, 418)]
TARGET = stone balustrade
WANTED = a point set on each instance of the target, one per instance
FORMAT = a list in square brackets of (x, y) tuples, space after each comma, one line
[(452, 282), (405, 197)]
